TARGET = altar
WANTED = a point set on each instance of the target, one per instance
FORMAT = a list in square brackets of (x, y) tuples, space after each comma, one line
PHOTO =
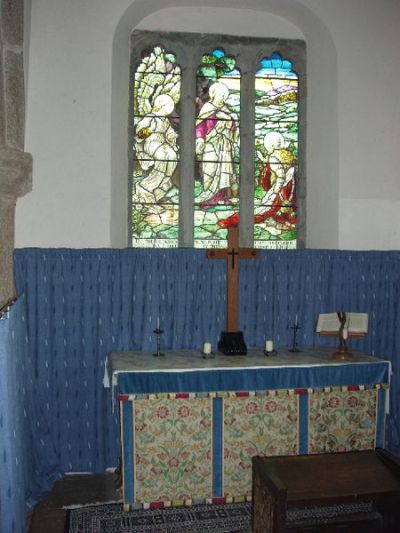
[(190, 426)]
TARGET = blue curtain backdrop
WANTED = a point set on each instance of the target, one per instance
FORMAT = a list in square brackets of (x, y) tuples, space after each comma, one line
[(14, 441), (79, 305)]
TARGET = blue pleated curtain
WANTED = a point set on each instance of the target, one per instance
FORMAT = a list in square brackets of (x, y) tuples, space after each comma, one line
[(14, 439), (79, 305)]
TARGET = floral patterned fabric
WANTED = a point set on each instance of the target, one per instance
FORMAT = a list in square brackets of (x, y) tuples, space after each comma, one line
[(256, 425), (173, 449), (342, 421), (198, 447)]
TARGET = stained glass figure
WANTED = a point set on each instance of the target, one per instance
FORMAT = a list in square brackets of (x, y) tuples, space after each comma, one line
[(217, 147), (276, 153), (155, 185)]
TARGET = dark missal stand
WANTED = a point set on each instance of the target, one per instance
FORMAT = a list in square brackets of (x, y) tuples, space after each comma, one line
[(295, 329), (158, 332)]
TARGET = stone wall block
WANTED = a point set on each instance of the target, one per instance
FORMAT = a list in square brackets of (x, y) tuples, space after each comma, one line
[(7, 213), (2, 106), (15, 172), (12, 22), (15, 164), (15, 181), (14, 99)]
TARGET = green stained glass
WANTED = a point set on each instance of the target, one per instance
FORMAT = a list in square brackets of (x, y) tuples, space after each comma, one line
[(276, 154), (217, 65), (155, 225), (217, 148), (155, 175)]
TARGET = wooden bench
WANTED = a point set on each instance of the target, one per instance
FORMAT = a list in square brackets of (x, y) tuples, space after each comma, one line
[(346, 492)]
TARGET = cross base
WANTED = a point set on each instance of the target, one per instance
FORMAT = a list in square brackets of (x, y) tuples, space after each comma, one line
[(232, 343)]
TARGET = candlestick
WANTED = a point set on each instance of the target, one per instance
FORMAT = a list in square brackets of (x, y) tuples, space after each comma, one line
[(295, 329), (158, 333)]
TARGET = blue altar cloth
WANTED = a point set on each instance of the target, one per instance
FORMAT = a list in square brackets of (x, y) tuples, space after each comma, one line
[(188, 371)]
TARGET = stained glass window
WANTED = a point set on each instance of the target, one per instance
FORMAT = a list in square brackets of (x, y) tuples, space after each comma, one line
[(217, 135), (214, 129), (276, 152), (155, 195)]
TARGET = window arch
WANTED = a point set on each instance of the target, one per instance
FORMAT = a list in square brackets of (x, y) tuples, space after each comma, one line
[(214, 132)]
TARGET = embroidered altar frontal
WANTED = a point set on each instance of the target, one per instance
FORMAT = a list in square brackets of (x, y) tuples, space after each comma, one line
[(190, 426)]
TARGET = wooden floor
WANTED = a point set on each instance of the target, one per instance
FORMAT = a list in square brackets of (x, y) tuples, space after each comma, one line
[(49, 515)]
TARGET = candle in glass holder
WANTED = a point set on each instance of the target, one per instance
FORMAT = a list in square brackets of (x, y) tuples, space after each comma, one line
[(269, 346), (207, 348)]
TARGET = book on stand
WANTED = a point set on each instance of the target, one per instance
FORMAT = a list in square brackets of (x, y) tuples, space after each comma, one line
[(343, 323)]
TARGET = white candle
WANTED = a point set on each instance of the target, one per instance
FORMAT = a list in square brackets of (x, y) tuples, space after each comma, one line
[(269, 346), (296, 320), (158, 322), (345, 333), (207, 348)]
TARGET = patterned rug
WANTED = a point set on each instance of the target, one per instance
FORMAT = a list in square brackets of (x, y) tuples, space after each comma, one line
[(110, 518)]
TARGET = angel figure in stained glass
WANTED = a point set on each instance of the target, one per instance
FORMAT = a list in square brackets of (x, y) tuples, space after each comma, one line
[(278, 180), (217, 136), (157, 83), (156, 149)]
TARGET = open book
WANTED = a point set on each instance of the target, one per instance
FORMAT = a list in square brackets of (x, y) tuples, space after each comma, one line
[(356, 323)]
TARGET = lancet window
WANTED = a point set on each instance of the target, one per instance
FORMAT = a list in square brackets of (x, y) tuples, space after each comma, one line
[(214, 140)]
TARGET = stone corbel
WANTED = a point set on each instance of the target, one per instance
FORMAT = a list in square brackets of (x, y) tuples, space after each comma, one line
[(15, 181)]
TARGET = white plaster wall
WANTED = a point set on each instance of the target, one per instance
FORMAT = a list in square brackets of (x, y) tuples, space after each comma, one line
[(77, 101), (369, 124)]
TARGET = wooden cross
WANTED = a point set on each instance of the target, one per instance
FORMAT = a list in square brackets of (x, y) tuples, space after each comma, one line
[(232, 254)]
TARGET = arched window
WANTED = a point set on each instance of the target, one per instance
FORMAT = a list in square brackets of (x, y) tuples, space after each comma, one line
[(276, 152), (155, 183), (217, 133), (214, 139)]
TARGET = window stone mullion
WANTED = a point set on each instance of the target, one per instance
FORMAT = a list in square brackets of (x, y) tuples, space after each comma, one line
[(187, 164), (247, 157)]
